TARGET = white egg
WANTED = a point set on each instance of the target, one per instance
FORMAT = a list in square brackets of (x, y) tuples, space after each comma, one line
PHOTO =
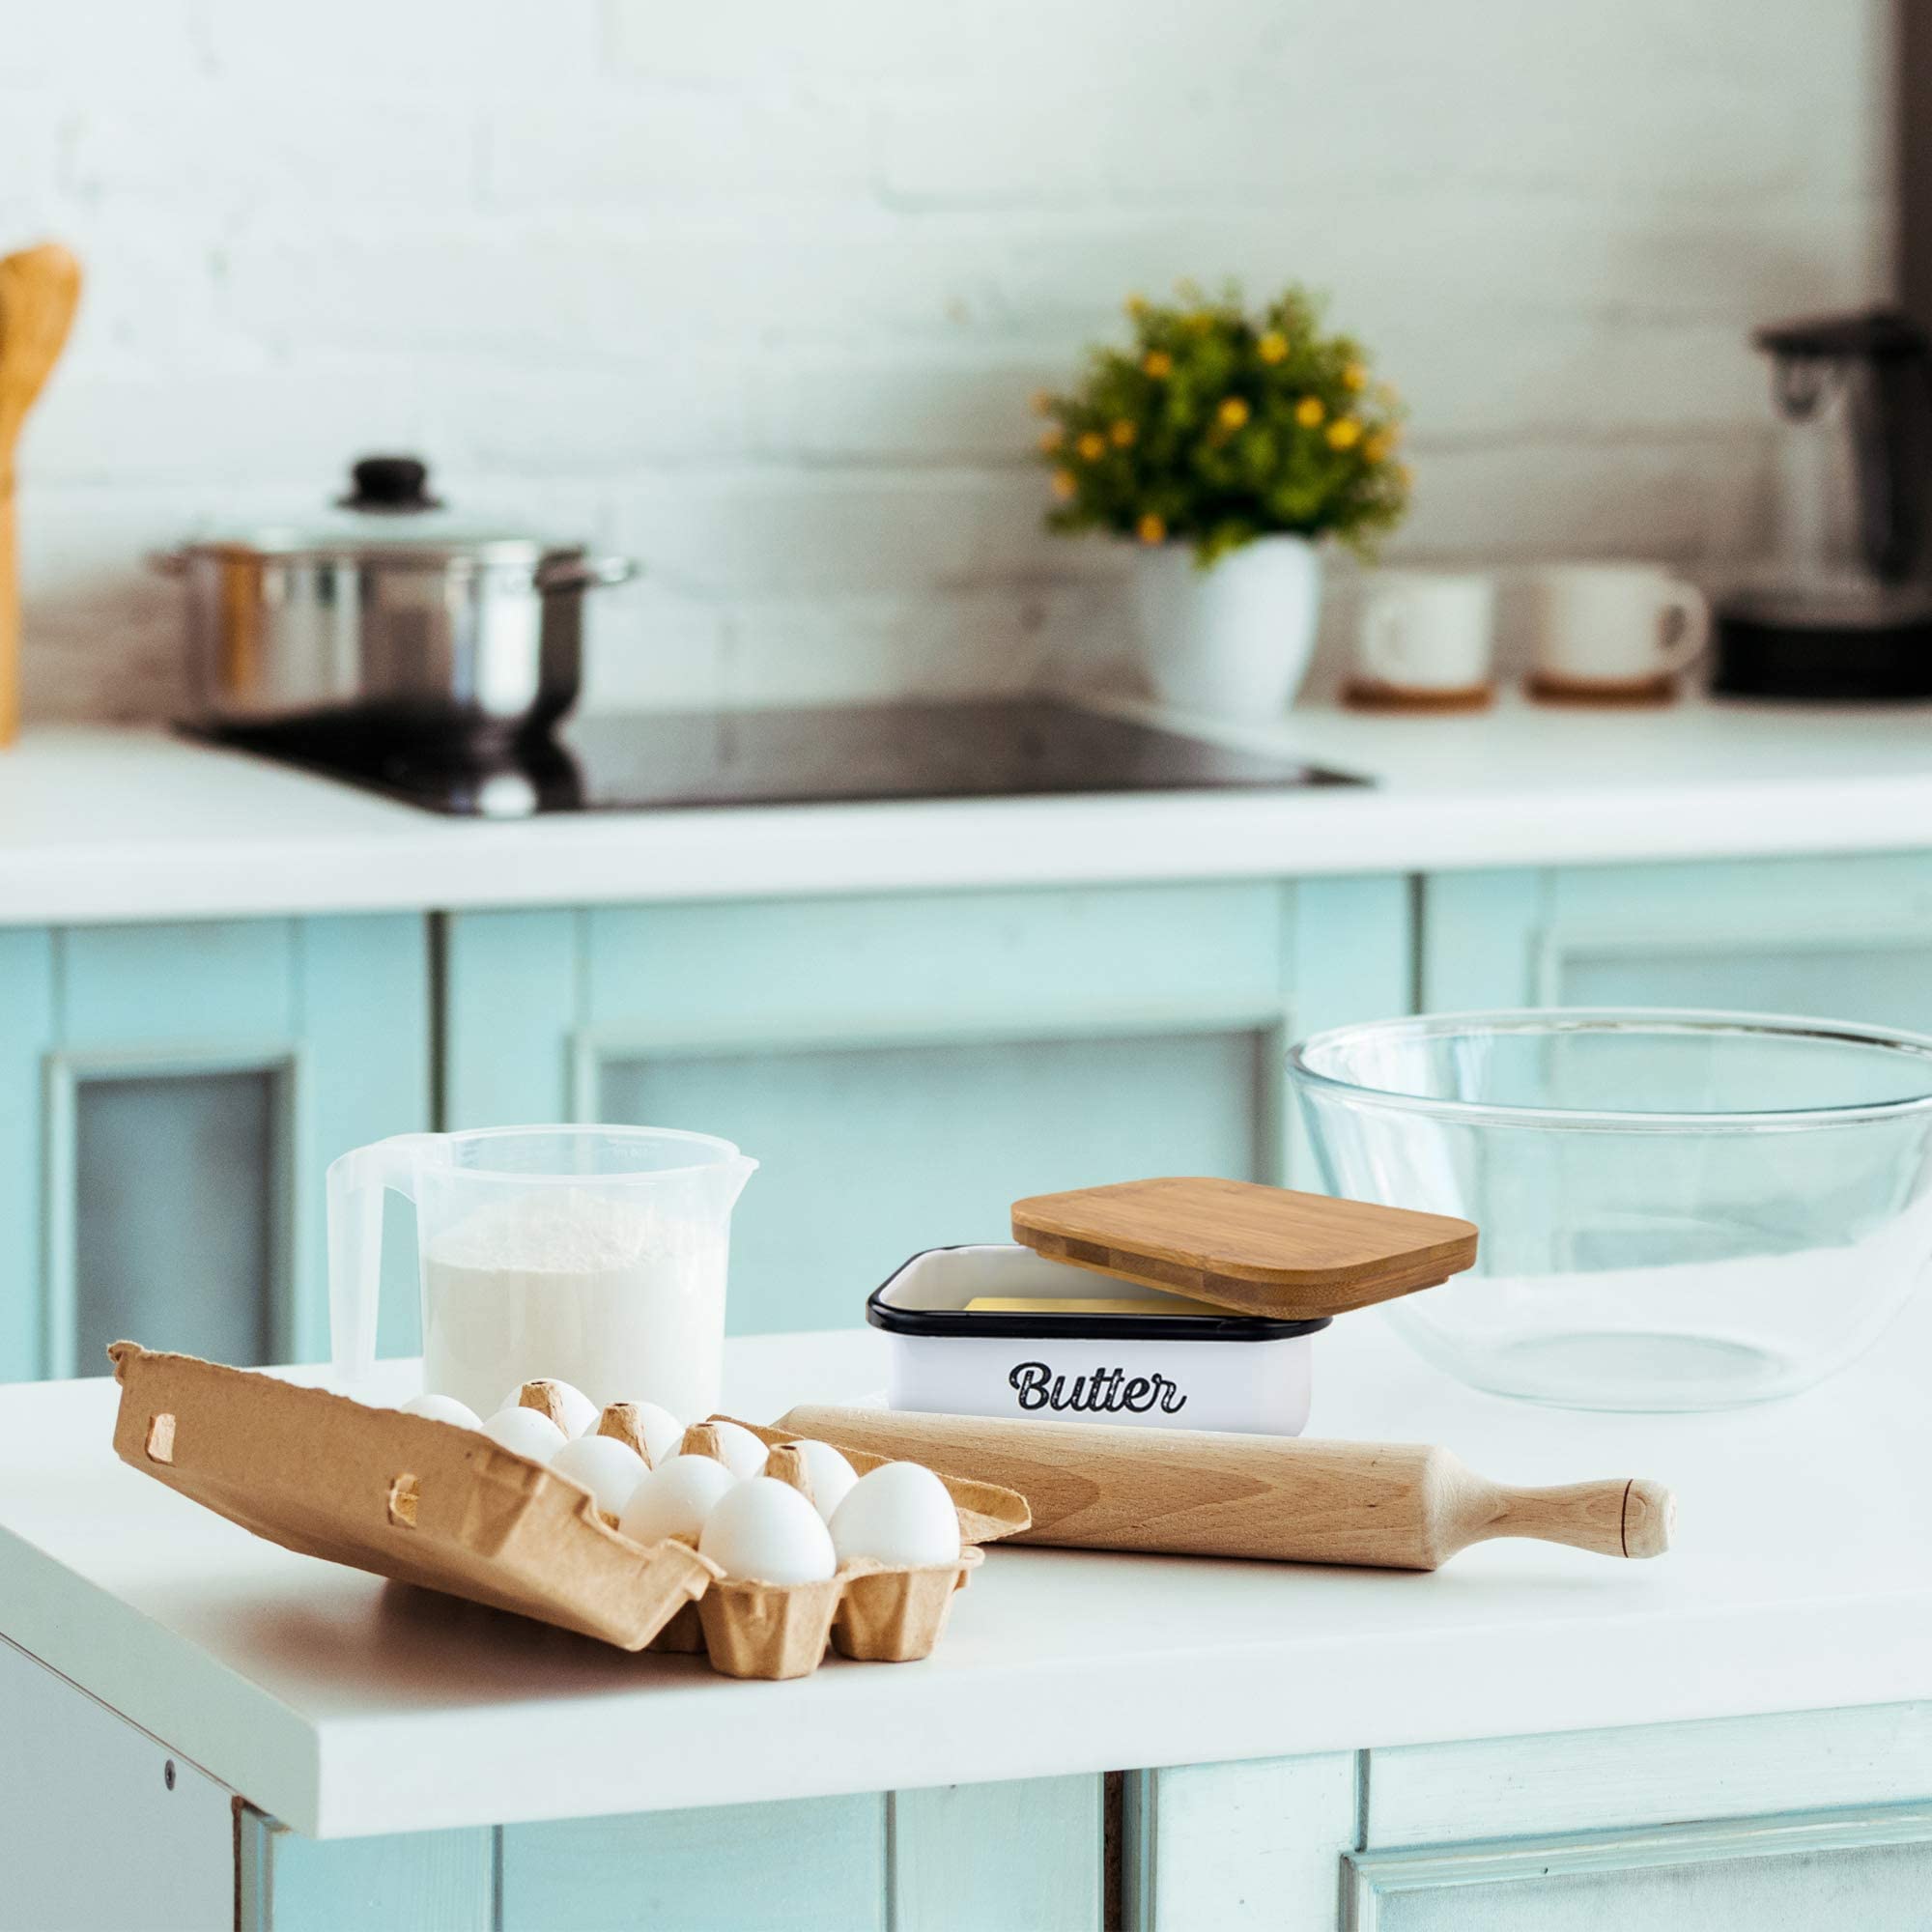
[(899, 1513), (742, 1453), (579, 1413), (525, 1432), (609, 1469), (444, 1409), (832, 1476), (674, 1499), (766, 1532), (662, 1431)]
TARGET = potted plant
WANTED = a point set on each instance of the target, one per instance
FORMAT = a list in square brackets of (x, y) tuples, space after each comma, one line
[(1227, 445)]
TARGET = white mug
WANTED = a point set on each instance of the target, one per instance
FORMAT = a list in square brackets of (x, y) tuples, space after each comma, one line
[(1616, 626), (1426, 632)]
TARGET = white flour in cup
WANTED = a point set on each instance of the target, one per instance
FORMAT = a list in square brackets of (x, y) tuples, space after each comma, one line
[(622, 1297)]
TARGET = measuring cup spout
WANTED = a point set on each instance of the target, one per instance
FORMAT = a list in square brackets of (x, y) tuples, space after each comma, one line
[(355, 1186), (727, 1182)]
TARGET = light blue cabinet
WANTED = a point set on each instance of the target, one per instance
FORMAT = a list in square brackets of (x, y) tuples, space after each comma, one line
[(906, 1066), (1022, 1857), (903, 1064), (1872, 1869), (1843, 938), (1783, 1823), (169, 1095)]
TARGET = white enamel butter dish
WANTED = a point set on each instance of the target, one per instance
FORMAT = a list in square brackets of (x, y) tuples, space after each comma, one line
[(1137, 1356)]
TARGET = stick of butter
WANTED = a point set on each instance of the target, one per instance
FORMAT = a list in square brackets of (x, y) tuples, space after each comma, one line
[(1080, 1304)]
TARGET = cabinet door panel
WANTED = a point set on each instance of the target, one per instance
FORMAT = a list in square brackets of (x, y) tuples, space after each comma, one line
[(936, 1142), (1887, 984), (808, 1864), (1025, 1854), (1246, 1847), (26, 1026), (905, 1064), (1876, 1892), (171, 1167), (1870, 1755), (1872, 1870), (169, 1096), (101, 1825), (411, 1881), (1839, 939)]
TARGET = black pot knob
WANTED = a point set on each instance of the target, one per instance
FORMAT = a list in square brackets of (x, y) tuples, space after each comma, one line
[(391, 483)]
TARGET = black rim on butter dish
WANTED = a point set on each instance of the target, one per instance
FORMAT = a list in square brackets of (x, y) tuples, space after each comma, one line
[(1012, 1323)]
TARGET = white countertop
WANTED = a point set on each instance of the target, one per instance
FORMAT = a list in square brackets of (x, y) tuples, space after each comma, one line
[(343, 1706), (99, 824)]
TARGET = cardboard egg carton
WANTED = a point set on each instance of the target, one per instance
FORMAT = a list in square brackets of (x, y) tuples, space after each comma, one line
[(875, 1612), (447, 1508)]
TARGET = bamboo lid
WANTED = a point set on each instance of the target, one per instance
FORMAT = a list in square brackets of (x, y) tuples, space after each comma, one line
[(1265, 1250)]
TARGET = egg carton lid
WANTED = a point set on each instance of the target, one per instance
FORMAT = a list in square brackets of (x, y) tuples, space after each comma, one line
[(1241, 1245), (398, 1495)]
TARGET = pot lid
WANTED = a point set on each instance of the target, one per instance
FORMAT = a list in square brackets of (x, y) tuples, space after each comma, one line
[(391, 514), (1265, 1250)]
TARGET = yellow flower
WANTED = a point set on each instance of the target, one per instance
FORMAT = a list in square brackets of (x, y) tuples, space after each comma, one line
[(1150, 530), (1050, 440), (1344, 432), (1123, 434), (1272, 347), (1233, 413), (1137, 304), (1092, 446), (1354, 377), (1308, 411), (1376, 448), (1042, 402), (1064, 484), (1157, 362)]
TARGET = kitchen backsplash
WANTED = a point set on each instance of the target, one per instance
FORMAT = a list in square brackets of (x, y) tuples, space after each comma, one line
[(758, 289)]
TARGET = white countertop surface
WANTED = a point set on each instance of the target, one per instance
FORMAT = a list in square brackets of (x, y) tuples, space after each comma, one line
[(1803, 1578), (99, 824)]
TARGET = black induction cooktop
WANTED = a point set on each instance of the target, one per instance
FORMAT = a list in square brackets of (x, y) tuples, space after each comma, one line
[(644, 762)]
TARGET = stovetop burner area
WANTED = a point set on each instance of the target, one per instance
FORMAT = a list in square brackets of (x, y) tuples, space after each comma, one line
[(641, 762)]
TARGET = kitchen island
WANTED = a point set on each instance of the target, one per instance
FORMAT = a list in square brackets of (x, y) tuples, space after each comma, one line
[(1530, 1736)]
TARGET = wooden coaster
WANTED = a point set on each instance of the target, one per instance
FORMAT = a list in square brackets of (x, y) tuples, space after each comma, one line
[(1548, 690), (1367, 695)]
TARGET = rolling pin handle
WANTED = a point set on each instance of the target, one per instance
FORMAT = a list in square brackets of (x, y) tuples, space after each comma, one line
[(1631, 1517), (1650, 1518)]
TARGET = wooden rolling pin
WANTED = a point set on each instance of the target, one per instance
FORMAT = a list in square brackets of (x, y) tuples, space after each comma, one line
[(39, 289), (1187, 1492)]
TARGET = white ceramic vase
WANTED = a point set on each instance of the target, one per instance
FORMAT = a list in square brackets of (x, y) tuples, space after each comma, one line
[(1232, 640)]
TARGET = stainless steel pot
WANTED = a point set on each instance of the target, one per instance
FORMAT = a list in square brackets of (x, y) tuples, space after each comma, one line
[(391, 615)]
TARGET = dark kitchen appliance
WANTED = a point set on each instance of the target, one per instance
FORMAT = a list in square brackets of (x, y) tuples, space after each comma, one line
[(645, 760), (1843, 607)]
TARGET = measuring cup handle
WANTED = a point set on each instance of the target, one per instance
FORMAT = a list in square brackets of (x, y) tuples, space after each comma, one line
[(357, 1182)]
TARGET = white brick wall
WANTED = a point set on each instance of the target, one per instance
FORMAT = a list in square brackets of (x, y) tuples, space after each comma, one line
[(758, 289)]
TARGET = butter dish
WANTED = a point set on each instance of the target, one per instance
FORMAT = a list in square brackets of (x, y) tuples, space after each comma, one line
[(1101, 1351), (1179, 1302)]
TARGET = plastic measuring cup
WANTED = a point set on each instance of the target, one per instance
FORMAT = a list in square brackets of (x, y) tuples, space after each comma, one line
[(593, 1253)]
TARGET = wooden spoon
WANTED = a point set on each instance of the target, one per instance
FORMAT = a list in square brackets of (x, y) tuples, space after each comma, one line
[(40, 289)]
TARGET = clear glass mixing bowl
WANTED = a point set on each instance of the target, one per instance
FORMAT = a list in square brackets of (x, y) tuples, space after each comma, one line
[(1678, 1210)]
